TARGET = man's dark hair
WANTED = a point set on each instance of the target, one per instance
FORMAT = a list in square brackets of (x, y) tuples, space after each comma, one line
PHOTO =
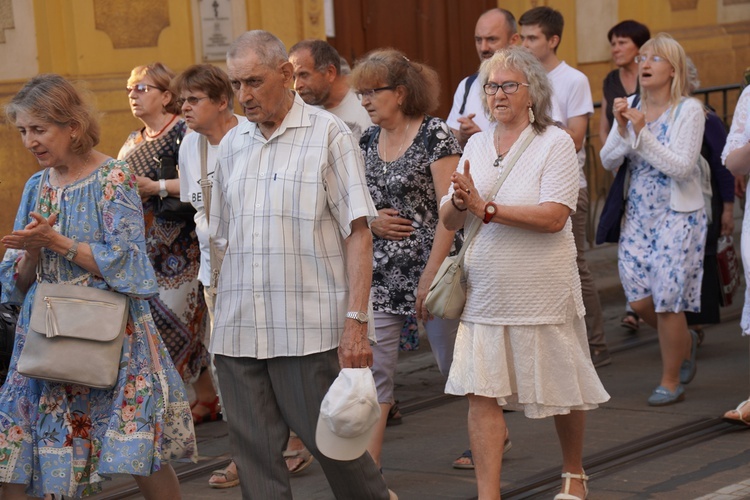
[(549, 20), (634, 30), (323, 54)]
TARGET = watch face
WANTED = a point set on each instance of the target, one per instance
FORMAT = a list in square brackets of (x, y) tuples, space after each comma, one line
[(491, 209)]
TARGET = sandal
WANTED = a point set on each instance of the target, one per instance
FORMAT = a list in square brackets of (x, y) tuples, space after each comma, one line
[(305, 455), (631, 321), (214, 412), (741, 418), (394, 415), (229, 479), (565, 494), (466, 461)]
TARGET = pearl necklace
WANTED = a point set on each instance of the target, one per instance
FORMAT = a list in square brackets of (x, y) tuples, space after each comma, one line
[(398, 154)]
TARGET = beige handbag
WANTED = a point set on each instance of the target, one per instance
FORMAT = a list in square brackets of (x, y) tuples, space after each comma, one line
[(75, 333), (447, 295)]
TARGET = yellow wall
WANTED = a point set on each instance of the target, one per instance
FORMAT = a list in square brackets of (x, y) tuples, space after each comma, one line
[(91, 41)]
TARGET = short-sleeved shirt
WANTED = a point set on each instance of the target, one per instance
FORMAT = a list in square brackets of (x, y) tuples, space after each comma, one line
[(473, 105), (355, 116), (406, 185), (572, 96), (285, 206)]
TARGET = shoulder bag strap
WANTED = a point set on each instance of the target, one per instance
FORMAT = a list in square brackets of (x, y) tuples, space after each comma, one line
[(37, 209), (205, 182), (476, 222)]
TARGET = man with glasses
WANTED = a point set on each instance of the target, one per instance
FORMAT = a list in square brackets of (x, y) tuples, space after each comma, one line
[(292, 308), (319, 82), (541, 32), (495, 30)]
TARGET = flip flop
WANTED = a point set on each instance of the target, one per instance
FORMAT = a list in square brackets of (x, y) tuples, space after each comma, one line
[(741, 419), (305, 455), (231, 479), (631, 321)]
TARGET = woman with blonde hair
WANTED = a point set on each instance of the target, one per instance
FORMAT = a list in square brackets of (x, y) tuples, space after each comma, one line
[(663, 232), (179, 310)]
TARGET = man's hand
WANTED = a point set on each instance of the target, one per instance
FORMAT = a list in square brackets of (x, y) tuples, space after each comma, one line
[(467, 127), (354, 346)]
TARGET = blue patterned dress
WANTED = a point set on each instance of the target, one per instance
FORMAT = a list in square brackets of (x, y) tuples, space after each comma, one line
[(660, 251), (62, 438)]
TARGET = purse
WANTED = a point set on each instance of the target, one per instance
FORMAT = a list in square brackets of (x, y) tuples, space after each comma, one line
[(610, 220), (169, 207), (447, 295), (75, 333), (730, 272)]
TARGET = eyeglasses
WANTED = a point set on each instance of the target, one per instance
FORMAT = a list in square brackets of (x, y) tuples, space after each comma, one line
[(141, 88), (370, 93), (192, 100), (639, 59), (508, 87)]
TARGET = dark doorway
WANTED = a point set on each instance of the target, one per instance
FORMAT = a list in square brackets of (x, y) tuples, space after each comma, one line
[(439, 33)]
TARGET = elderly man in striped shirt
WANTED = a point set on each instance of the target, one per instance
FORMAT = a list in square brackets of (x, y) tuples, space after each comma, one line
[(292, 307)]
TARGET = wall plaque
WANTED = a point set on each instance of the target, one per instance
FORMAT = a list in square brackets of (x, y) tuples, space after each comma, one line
[(216, 28)]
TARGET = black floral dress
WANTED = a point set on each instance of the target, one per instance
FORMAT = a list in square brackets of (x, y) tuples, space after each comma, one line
[(406, 185)]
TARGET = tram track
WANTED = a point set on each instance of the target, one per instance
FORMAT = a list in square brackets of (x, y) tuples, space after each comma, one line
[(538, 485)]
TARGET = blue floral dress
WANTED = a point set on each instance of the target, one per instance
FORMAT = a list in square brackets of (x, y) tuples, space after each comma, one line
[(661, 251), (63, 438)]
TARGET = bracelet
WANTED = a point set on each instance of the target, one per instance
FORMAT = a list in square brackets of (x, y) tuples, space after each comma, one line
[(456, 206)]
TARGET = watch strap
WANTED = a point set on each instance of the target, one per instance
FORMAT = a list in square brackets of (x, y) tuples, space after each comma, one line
[(72, 251)]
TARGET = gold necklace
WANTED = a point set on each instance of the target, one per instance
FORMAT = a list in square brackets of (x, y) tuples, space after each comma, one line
[(398, 154), (80, 171)]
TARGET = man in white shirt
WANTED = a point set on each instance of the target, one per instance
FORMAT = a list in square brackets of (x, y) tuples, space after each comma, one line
[(319, 81), (495, 29), (541, 32), (292, 308)]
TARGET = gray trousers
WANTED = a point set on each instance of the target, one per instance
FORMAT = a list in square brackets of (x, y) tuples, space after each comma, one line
[(263, 399), (594, 319)]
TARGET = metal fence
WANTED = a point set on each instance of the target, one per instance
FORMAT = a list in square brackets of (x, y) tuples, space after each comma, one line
[(721, 98)]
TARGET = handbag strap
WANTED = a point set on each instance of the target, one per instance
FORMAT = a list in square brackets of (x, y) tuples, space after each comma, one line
[(205, 181), (37, 209), (501, 178)]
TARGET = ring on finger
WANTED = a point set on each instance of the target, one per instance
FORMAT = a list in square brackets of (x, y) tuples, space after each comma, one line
[(468, 191)]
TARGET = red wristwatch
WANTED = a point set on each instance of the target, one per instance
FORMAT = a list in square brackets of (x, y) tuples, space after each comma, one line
[(490, 209)]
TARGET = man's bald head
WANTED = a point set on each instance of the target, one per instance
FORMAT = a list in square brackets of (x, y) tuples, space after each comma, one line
[(495, 30)]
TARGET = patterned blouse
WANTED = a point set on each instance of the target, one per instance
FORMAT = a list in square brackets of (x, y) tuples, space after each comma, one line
[(406, 185)]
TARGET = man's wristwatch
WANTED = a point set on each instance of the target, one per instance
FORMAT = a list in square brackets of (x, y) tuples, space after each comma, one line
[(358, 316), (163, 188), (72, 252), (490, 209)]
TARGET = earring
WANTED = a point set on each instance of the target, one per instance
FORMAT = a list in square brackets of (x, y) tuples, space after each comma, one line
[(531, 115)]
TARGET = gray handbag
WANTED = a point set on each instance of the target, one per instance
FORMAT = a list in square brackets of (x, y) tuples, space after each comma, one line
[(447, 295), (75, 333)]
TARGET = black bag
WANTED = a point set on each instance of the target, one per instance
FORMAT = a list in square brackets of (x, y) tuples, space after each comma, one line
[(608, 230), (169, 207), (8, 320), (610, 221)]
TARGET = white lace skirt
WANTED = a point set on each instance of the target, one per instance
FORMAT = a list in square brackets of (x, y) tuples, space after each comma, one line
[(543, 369)]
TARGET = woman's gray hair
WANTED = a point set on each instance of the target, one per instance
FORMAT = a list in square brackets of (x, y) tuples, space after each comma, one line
[(540, 88)]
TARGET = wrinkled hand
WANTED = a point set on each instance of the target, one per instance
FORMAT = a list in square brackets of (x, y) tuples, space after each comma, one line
[(390, 226), (727, 220), (354, 346), (467, 127), (740, 186), (465, 195), (147, 187), (36, 234), (422, 289)]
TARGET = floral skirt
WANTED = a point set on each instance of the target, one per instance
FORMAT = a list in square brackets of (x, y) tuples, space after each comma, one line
[(64, 438)]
